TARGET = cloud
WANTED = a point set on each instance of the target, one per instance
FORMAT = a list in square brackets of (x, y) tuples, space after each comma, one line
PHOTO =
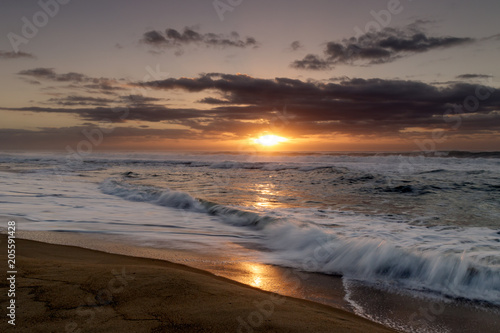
[(80, 101), (296, 45), (348, 106), (140, 100), (127, 100), (154, 38), (172, 38), (312, 62), (76, 80), (494, 37), (15, 55), (378, 47), (474, 76), (49, 74)]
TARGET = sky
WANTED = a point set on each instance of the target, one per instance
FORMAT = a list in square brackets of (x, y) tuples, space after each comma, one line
[(389, 75)]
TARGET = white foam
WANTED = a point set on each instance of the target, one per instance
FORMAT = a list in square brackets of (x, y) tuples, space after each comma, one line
[(388, 254)]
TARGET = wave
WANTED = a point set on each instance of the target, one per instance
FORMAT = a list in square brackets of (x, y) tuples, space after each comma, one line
[(410, 189), (343, 250), (130, 174), (181, 200), (165, 198), (434, 171), (469, 154), (382, 263)]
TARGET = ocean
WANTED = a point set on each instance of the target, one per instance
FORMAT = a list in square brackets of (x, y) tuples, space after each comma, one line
[(423, 227)]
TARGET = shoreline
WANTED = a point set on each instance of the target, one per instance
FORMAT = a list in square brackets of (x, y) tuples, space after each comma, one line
[(396, 310), (316, 287), (65, 288)]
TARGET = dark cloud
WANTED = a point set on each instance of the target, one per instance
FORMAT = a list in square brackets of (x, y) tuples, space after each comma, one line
[(50, 74), (135, 100), (378, 47), (172, 38), (473, 76), (312, 62), (76, 80), (154, 38), (80, 101), (139, 100), (367, 106), (15, 55), (347, 105), (39, 73)]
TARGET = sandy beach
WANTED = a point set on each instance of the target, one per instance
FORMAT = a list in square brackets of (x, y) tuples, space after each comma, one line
[(70, 289)]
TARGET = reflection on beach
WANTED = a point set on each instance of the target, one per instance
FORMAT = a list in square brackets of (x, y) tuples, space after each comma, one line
[(257, 278), (257, 275)]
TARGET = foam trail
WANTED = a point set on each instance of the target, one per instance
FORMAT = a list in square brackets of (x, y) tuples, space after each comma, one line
[(381, 262), (165, 198), (181, 200)]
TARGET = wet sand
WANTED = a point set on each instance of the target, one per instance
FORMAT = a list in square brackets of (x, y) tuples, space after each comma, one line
[(71, 289)]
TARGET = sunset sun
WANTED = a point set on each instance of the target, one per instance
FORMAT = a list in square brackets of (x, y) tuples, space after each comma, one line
[(270, 140)]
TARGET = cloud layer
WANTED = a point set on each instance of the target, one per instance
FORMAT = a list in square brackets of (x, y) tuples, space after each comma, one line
[(241, 105), (351, 106)]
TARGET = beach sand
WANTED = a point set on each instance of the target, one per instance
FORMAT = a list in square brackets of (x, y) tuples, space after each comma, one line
[(71, 289)]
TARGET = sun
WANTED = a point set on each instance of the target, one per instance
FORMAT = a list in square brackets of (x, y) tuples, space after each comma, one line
[(270, 140)]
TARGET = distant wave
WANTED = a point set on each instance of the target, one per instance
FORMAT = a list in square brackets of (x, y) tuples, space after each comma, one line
[(219, 159), (411, 189)]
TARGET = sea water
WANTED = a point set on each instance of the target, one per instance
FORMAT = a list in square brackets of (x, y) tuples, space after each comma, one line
[(427, 226)]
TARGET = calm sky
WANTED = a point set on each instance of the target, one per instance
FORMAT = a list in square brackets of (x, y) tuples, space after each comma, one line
[(214, 75)]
